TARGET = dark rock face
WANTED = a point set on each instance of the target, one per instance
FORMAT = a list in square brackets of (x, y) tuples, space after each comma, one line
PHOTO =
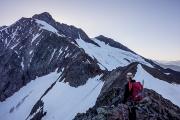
[(110, 106), (78, 71), (45, 16), (9, 66)]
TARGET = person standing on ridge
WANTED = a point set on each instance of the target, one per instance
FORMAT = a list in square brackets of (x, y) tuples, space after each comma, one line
[(133, 89), (132, 95)]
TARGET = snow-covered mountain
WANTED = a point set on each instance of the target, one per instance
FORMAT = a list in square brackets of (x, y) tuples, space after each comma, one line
[(50, 70)]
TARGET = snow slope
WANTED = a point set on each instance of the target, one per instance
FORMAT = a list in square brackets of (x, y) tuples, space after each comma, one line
[(109, 57), (167, 90), (63, 102), (19, 105), (48, 27)]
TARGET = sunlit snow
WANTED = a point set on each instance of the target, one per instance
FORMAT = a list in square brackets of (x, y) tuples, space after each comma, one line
[(108, 56), (19, 105), (63, 102), (46, 26)]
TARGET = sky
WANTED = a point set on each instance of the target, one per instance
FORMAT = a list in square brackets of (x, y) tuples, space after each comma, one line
[(151, 28)]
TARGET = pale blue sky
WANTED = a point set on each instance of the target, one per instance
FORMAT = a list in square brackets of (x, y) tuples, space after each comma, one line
[(149, 27)]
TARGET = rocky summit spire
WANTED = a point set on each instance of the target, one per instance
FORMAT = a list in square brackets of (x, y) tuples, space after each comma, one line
[(45, 16)]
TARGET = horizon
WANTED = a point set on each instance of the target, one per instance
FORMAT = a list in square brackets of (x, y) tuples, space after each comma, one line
[(132, 25)]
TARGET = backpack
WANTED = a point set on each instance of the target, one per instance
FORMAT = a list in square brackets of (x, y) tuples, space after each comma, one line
[(136, 91)]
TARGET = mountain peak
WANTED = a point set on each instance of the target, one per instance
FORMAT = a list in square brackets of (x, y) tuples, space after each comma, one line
[(45, 16), (102, 36)]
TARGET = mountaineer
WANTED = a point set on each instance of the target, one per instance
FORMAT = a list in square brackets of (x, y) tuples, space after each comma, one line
[(132, 95)]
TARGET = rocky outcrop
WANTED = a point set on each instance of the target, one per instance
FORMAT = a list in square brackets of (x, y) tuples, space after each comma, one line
[(152, 107), (77, 71), (110, 105)]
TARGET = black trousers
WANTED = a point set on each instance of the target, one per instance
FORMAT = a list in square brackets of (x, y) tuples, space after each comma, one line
[(132, 113)]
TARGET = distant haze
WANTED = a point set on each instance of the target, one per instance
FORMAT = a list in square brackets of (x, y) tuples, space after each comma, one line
[(149, 27), (176, 63)]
